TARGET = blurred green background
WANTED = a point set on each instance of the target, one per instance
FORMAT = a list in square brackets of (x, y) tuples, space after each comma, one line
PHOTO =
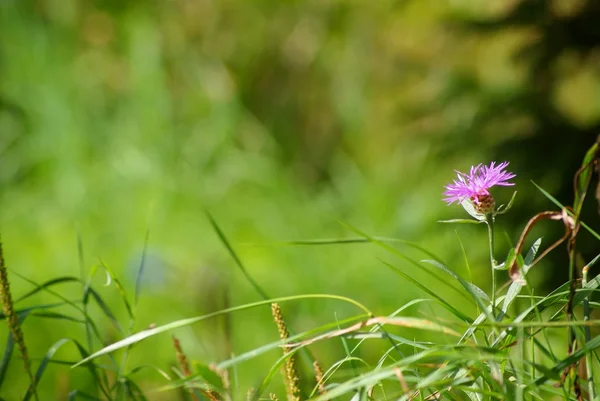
[(280, 118)]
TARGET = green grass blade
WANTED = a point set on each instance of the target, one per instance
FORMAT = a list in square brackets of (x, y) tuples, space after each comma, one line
[(121, 290), (476, 293), (140, 272), (352, 240), (427, 290), (515, 287), (104, 307), (585, 176), (58, 316), (277, 344), (42, 368), (407, 259), (10, 344), (186, 322), (80, 395), (470, 287), (8, 349), (272, 371), (46, 285), (235, 257), (568, 361), (460, 221), (557, 203)]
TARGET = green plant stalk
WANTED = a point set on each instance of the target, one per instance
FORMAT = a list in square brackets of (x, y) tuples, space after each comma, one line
[(588, 356), (489, 219)]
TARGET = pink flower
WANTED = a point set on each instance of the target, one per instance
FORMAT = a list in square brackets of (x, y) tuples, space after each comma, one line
[(475, 185)]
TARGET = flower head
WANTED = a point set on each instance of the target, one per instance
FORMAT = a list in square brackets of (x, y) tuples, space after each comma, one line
[(475, 186)]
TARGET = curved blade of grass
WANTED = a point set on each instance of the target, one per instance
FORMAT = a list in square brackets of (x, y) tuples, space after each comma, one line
[(42, 368), (406, 258), (470, 287), (475, 292), (515, 287), (140, 272), (47, 284), (379, 327), (191, 384), (80, 395), (554, 297), (100, 379), (451, 356), (503, 209), (209, 375), (153, 368), (121, 290), (133, 390), (80, 255), (441, 300), (332, 370), (557, 203), (10, 344), (406, 322), (274, 369), (186, 322), (104, 307), (33, 308), (371, 378), (234, 361), (58, 316), (570, 360), (585, 176), (278, 344), (538, 307), (354, 240), (8, 349), (460, 221), (49, 290), (235, 257)]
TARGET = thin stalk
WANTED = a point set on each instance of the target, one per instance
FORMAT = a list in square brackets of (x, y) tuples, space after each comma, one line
[(532, 336), (490, 224), (588, 337)]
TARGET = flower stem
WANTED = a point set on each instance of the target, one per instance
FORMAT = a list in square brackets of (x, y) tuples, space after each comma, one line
[(588, 337), (490, 223)]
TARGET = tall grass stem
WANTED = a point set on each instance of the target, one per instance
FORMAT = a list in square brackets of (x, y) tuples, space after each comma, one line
[(490, 224)]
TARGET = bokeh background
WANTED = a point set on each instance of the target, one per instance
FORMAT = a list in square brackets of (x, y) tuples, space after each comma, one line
[(281, 118)]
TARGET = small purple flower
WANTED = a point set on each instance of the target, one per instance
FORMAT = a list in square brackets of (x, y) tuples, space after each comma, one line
[(475, 186)]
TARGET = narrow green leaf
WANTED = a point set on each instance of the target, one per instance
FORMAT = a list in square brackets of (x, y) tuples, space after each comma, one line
[(209, 375), (140, 272), (121, 290), (426, 289), (407, 259), (9, 348), (570, 360), (104, 307), (477, 293), (502, 209), (42, 368), (353, 240), (461, 221), (560, 205), (235, 257), (515, 287), (47, 284), (80, 395), (585, 176), (137, 337)]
